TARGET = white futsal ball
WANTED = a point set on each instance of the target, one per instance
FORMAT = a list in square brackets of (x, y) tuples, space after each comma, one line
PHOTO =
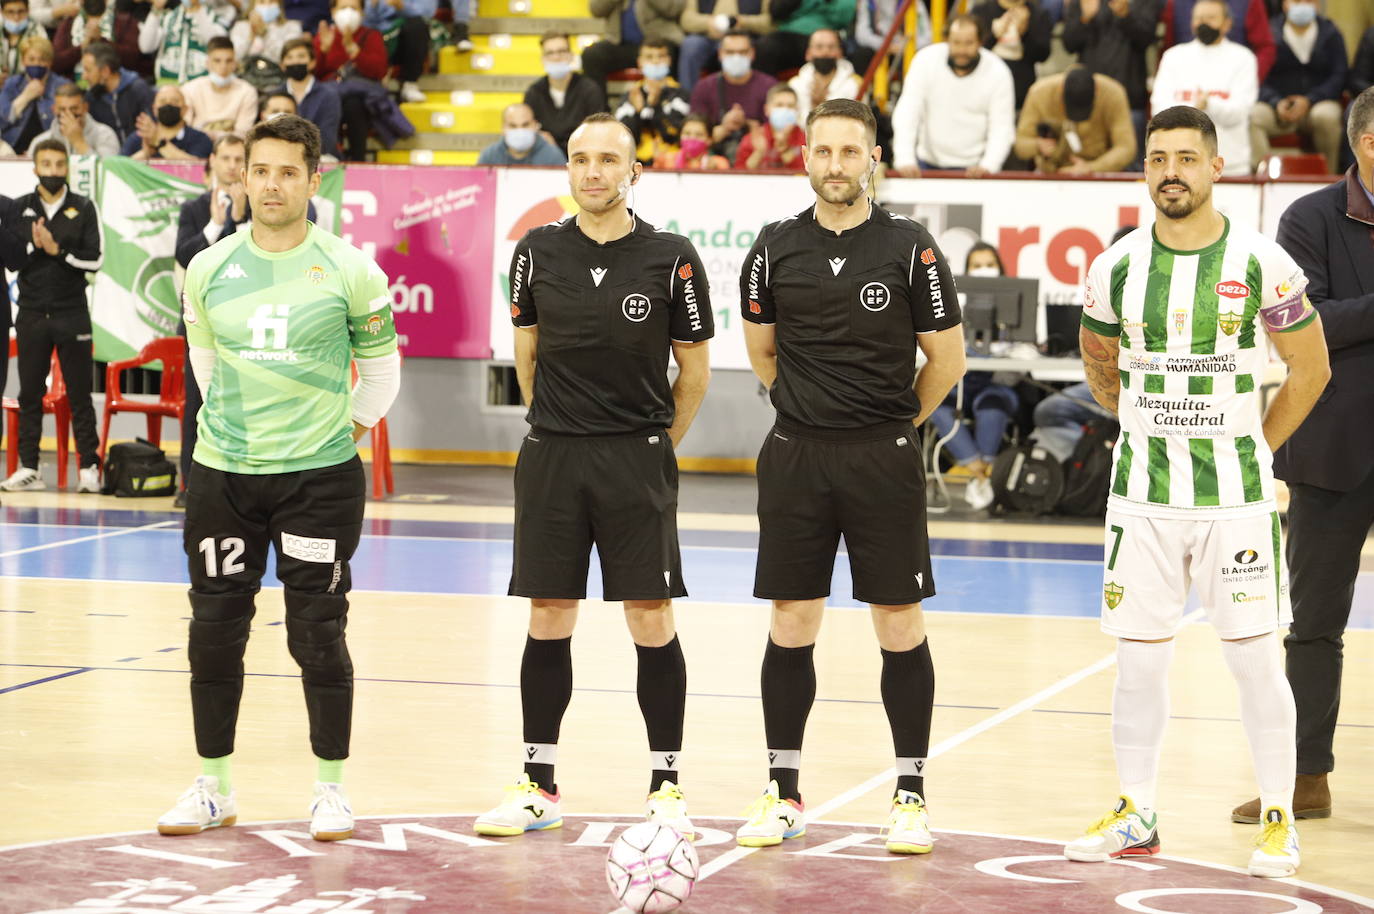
[(651, 868)]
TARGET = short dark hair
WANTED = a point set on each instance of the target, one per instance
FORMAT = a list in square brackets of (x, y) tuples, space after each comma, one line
[(262, 102), (4, 3), (656, 43), (847, 108), (697, 117), (967, 19), (219, 43), (739, 33), (69, 89), (605, 117), (778, 89), (1361, 117), (550, 34), (1183, 117), (981, 245), (288, 128), (51, 144), (294, 43), (103, 54), (225, 139)]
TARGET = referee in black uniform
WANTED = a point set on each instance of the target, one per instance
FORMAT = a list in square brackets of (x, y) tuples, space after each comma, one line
[(836, 300), (63, 242), (598, 301)]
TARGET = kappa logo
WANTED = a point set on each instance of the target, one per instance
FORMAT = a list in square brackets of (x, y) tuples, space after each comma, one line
[(927, 257), (598, 274), (836, 264), (874, 296), (635, 307), (234, 271), (1232, 289)]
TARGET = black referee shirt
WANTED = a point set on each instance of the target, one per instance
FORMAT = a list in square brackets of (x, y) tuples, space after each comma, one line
[(847, 309), (607, 316)]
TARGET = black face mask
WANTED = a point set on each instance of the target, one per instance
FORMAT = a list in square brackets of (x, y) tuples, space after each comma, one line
[(168, 115), (52, 183), (1207, 34), (825, 65), (296, 71)]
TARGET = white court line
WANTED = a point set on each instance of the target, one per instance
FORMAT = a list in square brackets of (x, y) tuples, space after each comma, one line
[(122, 531), (958, 739)]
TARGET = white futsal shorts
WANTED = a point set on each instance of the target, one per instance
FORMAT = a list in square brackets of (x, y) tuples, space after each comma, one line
[(1150, 564)]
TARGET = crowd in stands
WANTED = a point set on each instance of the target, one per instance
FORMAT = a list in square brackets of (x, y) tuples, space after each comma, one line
[(976, 102)]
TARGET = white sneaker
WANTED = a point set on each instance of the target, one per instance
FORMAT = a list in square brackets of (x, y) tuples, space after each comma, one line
[(331, 818), (525, 807), (202, 806), (24, 479), (463, 45), (410, 92), (1276, 848), (667, 806), (978, 493), (908, 825), (772, 820), (1123, 832), (88, 479)]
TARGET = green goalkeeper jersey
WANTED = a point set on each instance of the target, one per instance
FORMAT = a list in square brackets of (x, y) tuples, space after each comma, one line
[(284, 327)]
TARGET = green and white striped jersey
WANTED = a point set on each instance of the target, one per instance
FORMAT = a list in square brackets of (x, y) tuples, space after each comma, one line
[(285, 327), (1193, 356)]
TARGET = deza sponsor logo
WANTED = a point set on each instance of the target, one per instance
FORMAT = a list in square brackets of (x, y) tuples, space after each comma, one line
[(1233, 289)]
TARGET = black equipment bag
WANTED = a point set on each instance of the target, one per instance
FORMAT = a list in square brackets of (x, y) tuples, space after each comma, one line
[(137, 469)]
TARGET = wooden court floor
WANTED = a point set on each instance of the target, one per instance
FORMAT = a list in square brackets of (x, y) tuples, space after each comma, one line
[(95, 733)]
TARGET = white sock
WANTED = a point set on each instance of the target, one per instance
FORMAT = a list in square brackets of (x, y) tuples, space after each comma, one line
[(1269, 716), (1140, 710)]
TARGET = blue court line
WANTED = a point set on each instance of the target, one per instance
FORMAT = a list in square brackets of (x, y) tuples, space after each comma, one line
[(76, 671)]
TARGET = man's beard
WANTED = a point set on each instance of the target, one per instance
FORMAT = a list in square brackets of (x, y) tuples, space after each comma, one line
[(851, 192), (1180, 208)]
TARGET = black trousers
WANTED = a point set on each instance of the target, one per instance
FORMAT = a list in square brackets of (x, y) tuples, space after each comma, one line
[(1326, 531), (412, 49), (69, 332), (604, 57), (356, 125), (188, 419), (4, 350), (314, 519)]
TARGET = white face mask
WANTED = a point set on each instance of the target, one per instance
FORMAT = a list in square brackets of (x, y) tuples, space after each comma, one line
[(348, 19), (269, 12), (219, 82), (520, 139), (984, 271), (736, 66)]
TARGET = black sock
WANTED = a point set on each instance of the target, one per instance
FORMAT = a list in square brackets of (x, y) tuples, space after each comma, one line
[(789, 688), (545, 690), (662, 688), (908, 686)]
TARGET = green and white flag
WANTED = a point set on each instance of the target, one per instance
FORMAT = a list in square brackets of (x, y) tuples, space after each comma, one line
[(135, 298)]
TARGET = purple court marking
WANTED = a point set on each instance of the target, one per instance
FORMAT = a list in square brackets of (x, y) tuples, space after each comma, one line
[(55, 676), (414, 864)]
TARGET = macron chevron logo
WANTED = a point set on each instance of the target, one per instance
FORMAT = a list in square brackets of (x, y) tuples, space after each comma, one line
[(836, 263), (598, 273)]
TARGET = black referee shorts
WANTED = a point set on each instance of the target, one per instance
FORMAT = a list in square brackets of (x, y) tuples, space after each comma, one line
[(867, 485), (617, 492)]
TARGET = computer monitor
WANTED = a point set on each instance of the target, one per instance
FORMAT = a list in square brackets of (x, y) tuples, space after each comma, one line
[(997, 309)]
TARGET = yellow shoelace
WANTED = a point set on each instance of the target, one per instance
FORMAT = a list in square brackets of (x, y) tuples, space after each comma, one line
[(1273, 839)]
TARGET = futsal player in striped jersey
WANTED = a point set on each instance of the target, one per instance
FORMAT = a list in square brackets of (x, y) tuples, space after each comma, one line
[(1175, 331)]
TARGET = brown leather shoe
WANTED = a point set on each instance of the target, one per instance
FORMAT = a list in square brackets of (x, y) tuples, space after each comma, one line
[(1311, 800)]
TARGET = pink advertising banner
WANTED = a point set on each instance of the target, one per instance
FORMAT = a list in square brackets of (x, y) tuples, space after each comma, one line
[(430, 229)]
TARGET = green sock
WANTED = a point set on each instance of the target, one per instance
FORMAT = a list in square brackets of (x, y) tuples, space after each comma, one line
[(331, 771), (219, 768)]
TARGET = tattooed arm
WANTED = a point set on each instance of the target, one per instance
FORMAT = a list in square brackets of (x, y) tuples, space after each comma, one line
[(1100, 364)]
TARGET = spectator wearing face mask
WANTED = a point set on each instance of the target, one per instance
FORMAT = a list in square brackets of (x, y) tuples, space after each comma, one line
[(626, 24), (73, 126), (165, 134), (520, 142), (654, 107), (26, 100), (734, 97), (219, 102), (562, 97), (784, 48), (778, 141), (98, 20), (18, 25), (316, 101), (179, 37), (1302, 92), (694, 149), (826, 73), (1247, 25), (1216, 75), (264, 32), (705, 23), (117, 96)]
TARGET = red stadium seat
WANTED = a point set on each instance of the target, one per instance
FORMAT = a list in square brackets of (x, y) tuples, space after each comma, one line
[(1304, 164), (171, 401), (54, 401)]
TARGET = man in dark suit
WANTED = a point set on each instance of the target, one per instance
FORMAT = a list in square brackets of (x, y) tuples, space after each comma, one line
[(213, 215), (1327, 463)]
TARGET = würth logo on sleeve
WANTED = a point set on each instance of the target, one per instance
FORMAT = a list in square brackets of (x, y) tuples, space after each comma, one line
[(927, 257), (1232, 289), (684, 271)]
